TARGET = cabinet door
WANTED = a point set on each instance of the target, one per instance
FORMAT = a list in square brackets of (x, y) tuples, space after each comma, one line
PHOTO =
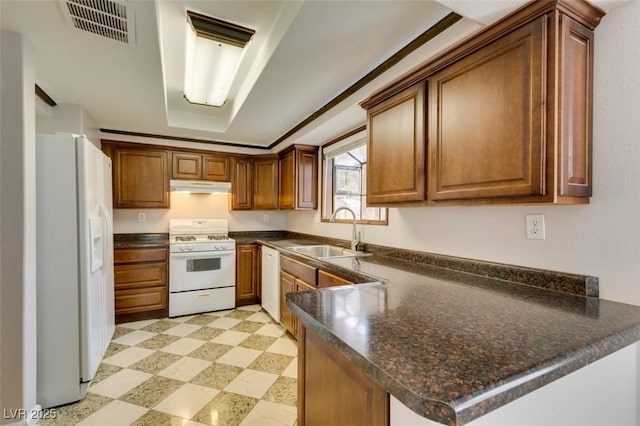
[(307, 179), (265, 183), (287, 285), (140, 179), (396, 149), (216, 167), (247, 274), (575, 108), (332, 391), (298, 178), (287, 181), (186, 166), (242, 184), (487, 120)]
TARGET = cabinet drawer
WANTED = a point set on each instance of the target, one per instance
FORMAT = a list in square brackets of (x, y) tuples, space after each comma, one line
[(140, 255), (140, 275), (298, 269), (325, 279), (140, 300), (303, 286)]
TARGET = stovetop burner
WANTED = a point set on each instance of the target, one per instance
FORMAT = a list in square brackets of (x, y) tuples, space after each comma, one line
[(199, 232)]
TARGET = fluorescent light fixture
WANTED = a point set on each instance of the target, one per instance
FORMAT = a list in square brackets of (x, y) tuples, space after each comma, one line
[(213, 53)]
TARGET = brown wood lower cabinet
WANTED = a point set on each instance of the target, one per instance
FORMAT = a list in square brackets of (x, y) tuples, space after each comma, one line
[(332, 391), (298, 276), (247, 274), (294, 276), (287, 285), (326, 279), (140, 281)]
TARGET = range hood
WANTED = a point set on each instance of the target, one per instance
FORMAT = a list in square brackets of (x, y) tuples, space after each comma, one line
[(200, 186)]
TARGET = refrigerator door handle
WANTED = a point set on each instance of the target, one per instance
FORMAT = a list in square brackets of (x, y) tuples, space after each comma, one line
[(96, 235), (107, 216), (106, 232)]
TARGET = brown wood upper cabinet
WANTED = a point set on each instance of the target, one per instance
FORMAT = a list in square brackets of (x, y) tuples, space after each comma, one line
[(486, 111), (254, 183), (396, 148), (298, 178), (508, 116), (186, 165), (265, 182), (242, 183), (140, 176)]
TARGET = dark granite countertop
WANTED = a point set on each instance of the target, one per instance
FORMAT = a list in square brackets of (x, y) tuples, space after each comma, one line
[(252, 237), (455, 345), (148, 240)]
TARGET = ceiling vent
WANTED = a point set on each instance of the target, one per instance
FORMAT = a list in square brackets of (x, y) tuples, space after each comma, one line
[(107, 18)]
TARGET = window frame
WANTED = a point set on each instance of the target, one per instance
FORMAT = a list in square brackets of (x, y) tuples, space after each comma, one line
[(327, 193)]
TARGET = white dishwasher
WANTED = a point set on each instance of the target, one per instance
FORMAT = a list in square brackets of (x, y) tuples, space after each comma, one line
[(271, 282)]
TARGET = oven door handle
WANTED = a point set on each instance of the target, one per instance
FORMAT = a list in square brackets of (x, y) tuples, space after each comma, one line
[(202, 254)]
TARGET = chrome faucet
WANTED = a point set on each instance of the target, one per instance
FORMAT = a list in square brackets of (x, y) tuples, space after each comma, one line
[(355, 238)]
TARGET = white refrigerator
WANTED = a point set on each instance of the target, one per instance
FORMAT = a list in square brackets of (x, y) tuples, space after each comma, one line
[(75, 299)]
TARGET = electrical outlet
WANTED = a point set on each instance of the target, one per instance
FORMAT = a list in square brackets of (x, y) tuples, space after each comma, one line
[(535, 227), (142, 217), (265, 218)]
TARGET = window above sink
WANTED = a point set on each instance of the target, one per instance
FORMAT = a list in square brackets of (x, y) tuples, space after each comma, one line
[(344, 170)]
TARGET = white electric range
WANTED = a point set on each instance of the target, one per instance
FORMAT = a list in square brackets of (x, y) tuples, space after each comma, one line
[(202, 266)]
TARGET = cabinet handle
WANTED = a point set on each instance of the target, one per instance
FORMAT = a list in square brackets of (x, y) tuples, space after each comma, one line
[(204, 295)]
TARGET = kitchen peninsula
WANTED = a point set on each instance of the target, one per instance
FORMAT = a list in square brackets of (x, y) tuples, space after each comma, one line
[(451, 345)]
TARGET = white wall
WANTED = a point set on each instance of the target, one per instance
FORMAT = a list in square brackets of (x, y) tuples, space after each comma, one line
[(67, 118), (17, 226), (601, 239), (195, 206)]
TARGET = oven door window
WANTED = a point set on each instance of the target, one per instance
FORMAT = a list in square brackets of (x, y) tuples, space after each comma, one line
[(201, 265)]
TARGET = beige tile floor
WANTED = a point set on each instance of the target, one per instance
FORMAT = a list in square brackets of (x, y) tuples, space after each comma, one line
[(224, 368)]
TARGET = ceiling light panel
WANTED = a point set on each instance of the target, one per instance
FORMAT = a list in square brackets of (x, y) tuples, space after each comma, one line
[(214, 50)]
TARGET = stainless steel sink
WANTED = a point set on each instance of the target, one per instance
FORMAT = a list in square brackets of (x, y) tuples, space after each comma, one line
[(327, 251)]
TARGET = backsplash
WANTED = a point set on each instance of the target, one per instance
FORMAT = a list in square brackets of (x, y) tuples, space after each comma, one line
[(195, 206)]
